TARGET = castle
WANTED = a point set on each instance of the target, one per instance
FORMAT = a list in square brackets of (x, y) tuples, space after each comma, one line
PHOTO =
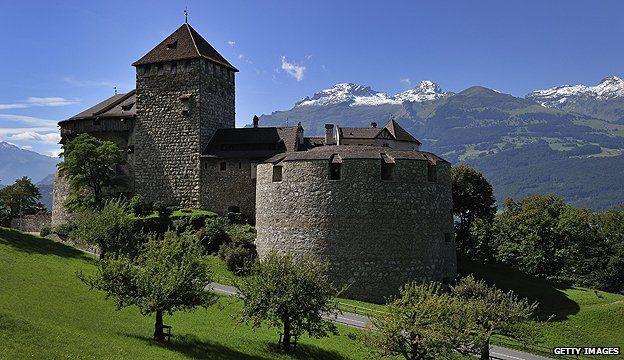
[(365, 200)]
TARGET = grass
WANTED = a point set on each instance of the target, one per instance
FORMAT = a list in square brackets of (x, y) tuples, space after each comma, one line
[(46, 312), (578, 316)]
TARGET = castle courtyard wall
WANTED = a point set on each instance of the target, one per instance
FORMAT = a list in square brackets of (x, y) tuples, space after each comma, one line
[(375, 234)]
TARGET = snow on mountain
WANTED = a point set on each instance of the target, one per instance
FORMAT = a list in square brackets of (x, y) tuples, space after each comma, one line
[(359, 95), (425, 91), (609, 88)]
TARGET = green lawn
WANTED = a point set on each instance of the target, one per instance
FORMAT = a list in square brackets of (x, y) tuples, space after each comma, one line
[(579, 317), (46, 313)]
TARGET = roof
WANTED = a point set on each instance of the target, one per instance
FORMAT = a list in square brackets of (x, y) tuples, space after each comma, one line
[(356, 152), (119, 105), (261, 142), (397, 132), (183, 44)]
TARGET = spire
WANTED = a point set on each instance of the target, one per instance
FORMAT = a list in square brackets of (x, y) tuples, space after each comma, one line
[(185, 15), (184, 44)]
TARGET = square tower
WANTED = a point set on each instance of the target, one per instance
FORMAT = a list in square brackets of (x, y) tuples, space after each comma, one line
[(184, 93)]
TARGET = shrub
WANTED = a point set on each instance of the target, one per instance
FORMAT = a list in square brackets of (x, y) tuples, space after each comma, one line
[(163, 210), (45, 231), (213, 235), (139, 207), (238, 259), (64, 230), (111, 229), (236, 218)]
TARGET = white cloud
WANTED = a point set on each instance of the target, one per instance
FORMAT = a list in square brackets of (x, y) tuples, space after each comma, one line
[(27, 147), (308, 57), (39, 102), (231, 43), (294, 70), (406, 82), (69, 80), (35, 136), (28, 120), (55, 152)]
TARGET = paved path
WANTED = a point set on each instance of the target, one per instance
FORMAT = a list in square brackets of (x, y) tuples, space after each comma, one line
[(361, 322)]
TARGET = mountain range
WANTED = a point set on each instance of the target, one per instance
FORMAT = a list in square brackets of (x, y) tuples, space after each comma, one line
[(567, 140)]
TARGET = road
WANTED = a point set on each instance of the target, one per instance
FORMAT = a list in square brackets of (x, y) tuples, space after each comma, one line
[(361, 322)]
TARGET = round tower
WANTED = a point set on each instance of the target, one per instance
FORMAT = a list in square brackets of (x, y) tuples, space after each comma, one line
[(379, 217)]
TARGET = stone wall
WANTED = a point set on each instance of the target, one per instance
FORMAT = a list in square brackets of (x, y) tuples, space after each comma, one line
[(376, 234), (59, 196), (179, 107), (233, 187), (31, 223)]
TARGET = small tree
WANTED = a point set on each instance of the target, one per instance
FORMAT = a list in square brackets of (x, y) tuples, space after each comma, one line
[(494, 312), (20, 198), (90, 164), (291, 294), (169, 275), (422, 323)]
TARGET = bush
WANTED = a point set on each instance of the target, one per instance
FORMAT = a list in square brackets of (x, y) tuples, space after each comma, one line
[(163, 210), (239, 252), (111, 229), (45, 231), (236, 218), (213, 235), (139, 207), (64, 230)]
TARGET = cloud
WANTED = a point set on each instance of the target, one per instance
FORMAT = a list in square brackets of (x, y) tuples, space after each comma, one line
[(39, 102), (55, 152), (89, 83), (406, 82), (35, 136), (294, 70), (27, 147), (28, 120), (231, 43), (308, 57)]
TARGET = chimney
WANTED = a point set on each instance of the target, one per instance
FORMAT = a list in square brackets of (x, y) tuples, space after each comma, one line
[(330, 139), (255, 121), (374, 124)]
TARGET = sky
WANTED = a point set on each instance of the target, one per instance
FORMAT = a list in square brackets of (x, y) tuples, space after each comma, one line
[(58, 58)]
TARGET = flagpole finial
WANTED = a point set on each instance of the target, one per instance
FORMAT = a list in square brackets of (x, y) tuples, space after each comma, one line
[(185, 15)]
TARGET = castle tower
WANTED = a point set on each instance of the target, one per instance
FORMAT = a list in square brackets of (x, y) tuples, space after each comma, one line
[(184, 93)]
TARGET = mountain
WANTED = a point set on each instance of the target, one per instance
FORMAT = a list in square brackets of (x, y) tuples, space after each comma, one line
[(522, 145), (604, 101), (16, 162), (46, 187)]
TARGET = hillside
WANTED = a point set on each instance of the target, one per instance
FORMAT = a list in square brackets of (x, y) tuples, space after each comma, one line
[(485, 128), (47, 313)]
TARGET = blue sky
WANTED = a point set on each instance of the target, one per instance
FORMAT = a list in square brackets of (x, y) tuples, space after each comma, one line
[(58, 58)]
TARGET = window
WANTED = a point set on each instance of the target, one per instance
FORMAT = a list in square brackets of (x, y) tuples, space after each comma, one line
[(206, 166), (431, 173), (254, 169), (222, 166), (335, 171), (447, 238), (277, 173), (240, 165)]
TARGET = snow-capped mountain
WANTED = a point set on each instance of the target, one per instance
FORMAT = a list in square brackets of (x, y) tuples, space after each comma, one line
[(605, 100), (359, 95), (425, 91)]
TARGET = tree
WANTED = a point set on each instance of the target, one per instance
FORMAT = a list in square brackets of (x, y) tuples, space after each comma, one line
[(473, 198), (110, 228), (291, 294), (169, 275), (20, 198), (422, 323), (493, 312), (90, 164)]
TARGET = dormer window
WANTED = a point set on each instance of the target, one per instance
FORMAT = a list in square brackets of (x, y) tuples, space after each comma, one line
[(172, 45)]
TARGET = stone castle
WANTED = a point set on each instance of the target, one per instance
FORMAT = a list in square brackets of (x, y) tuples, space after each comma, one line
[(366, 200)]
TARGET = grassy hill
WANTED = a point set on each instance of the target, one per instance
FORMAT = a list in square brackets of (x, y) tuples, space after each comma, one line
[(47, 313)]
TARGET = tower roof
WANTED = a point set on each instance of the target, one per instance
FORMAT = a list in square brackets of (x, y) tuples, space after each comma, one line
[(183, 44)]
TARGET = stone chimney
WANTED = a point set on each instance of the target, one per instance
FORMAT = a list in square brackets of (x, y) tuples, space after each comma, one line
[(255, 121), (374, 124), (330, 138)]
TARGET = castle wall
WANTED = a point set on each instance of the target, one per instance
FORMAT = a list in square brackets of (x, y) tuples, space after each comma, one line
[(376, 234), (59, 195), (179, 107), (233, 187)]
